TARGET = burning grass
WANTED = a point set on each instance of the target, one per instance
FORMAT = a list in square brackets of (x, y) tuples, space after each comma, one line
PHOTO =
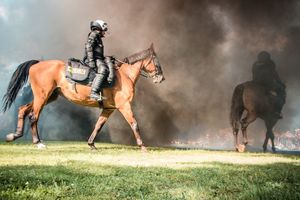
[(69, 170)]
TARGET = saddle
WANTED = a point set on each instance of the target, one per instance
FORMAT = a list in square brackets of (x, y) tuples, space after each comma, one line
[(79, 72)]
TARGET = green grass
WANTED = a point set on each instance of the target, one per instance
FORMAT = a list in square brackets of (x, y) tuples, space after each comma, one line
[(69, 170)]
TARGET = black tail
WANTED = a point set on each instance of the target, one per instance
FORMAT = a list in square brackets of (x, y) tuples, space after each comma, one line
[(237, 106), (18, 79)]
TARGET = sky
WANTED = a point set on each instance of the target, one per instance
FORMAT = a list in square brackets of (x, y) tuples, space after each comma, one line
[(205, 48)]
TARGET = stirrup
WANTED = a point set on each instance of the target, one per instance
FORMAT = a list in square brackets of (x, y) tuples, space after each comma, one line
[(278, 115), (97, 97), (273, 93)]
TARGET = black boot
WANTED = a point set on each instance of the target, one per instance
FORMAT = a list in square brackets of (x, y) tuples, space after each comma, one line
[(96, 86), (110, 65), (278, 115), (278, 107)]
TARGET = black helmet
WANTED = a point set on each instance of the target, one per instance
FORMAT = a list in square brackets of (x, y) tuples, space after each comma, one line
[(99, 24), (263, 56)]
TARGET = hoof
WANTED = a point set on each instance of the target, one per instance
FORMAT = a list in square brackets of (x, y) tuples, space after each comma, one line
[(240, 148), (144, 149), (265, 149), (41, 146), (274, 150), (10, 137), (92, 146)]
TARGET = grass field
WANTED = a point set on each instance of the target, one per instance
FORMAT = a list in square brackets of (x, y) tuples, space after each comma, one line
[(69, 170)]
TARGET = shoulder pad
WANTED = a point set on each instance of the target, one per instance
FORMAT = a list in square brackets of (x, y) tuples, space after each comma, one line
[(259, 63), (94, 34)]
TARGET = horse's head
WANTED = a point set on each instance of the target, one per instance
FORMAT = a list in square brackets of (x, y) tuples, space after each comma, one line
[(152, 68)]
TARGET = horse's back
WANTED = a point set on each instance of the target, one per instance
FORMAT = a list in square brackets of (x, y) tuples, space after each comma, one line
[(253, 89), (47, 66), (255, 98), (248, 95), (49, 69)]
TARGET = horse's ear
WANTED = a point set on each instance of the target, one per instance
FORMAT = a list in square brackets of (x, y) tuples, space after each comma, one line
[(152, 46)]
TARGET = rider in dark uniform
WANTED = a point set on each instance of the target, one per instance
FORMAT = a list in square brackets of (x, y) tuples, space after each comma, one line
[(94, 57), (265, 74)]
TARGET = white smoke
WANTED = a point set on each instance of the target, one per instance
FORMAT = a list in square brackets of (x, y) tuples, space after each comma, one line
[(3, 13)]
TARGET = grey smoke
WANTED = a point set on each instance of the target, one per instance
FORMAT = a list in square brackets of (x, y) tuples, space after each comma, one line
[(205, 48)]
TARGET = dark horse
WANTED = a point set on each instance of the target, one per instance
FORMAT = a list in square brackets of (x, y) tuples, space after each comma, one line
[(254, 99), (48, 81)]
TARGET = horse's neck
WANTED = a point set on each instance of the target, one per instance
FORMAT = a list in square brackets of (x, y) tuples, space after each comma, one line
[(133, 71)]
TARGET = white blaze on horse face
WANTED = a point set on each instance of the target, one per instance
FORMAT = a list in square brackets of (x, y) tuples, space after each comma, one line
[(150, 67), (158, 79)]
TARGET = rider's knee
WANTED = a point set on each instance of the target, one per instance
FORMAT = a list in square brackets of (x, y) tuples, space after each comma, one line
[(108, 59), (103, 70)]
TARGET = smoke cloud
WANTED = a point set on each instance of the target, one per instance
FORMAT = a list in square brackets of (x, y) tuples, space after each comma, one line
[(205, 48)]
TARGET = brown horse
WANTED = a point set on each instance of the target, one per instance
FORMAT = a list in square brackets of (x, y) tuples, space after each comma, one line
[(252, 98), (47, 79)]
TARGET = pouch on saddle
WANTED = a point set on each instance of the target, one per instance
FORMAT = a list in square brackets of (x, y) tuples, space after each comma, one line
[(79, 72)]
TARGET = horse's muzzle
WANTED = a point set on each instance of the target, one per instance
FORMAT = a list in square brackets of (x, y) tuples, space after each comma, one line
[(158, 78)]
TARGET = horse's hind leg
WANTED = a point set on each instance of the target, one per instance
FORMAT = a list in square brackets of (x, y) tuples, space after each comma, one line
[(269, 134), (34, 117), (100, 122), (128, 115), (23, 112), (40, 99)]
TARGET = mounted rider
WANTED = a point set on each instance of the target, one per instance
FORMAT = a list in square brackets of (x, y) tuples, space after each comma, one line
[(94, 57), (265, 74)]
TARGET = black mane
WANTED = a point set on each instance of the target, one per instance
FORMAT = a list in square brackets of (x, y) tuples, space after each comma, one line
[(138, 56)]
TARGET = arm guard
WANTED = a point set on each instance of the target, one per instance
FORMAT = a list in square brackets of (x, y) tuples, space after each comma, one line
[(275, 75), (89, 48), (277, 79), (254, 71), (109, 63)]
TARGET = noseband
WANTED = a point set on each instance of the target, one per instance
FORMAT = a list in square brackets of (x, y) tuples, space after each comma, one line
[(153, 74)]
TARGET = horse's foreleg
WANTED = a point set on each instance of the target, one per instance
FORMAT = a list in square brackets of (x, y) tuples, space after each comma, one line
[(236, 139), (272, 141), (235, 130), (266, 142), (250, 117), (100, 122), (128, 115), (23, 112)]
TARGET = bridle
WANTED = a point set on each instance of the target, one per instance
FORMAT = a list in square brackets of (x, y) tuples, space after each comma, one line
[(156, 64), (143, 71)]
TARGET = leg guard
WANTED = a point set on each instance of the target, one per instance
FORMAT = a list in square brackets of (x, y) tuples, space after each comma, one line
[(278, 104), (96, 87)]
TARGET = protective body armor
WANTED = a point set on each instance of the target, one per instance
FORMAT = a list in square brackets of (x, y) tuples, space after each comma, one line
[(94, 57), (94, 48), (265, 74)]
